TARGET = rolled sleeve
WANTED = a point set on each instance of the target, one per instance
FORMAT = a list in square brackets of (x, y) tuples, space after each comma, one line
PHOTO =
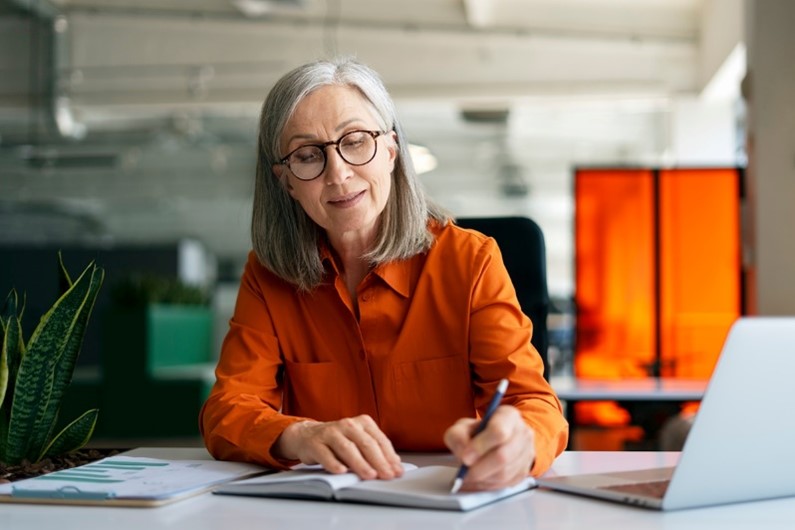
[(500, 348)]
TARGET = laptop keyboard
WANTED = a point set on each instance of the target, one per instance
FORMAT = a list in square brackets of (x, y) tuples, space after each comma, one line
[(655, 489)]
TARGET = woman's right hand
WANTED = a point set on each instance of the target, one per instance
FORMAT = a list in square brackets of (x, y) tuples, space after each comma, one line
[(350, 444)]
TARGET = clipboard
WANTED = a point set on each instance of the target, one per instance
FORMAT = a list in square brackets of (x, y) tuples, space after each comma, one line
[(89, 499), (127, 481)]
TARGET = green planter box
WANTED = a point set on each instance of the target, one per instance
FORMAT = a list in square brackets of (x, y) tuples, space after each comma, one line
[(178, 335)]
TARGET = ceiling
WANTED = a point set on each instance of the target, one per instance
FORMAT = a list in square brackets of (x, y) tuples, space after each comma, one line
[(127, 120)]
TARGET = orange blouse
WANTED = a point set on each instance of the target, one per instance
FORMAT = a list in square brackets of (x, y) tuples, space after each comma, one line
[(435, 335)]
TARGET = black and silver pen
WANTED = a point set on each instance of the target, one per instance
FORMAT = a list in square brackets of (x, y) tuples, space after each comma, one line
[(495, 402)]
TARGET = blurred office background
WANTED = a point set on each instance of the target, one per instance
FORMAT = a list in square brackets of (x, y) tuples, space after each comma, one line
[(129, 125)]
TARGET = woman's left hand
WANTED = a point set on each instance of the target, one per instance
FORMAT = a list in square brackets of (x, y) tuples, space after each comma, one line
[(499, 456)]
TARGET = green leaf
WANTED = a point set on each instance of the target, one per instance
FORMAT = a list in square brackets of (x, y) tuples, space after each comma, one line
[(3, 435), (35, 378), (9, 307), (8, 355), (21, 311), (65, 365), (64, 280), (4, 367), (73, 436), (15, 353), (10, 350)]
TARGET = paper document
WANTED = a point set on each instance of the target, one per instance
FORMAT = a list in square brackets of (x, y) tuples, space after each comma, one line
[(125, 478)]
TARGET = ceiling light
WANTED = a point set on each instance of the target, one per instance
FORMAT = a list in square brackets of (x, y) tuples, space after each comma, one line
[(259, 8), (423, 159), (64, 120), (479, 13)]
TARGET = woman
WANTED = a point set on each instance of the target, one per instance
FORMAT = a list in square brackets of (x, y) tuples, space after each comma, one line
[(367, 322)]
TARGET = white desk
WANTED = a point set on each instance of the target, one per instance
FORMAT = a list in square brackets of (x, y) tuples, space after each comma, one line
[(536, 509), (647, 389)]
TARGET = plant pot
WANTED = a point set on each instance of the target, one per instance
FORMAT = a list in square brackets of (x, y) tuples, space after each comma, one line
[(25, 470)]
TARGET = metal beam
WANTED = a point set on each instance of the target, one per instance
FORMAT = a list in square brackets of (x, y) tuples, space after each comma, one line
[(43, 9)]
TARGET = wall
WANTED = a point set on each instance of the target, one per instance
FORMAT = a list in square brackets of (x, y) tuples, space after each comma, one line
[(721, 30), (771, 174), (33, 271)]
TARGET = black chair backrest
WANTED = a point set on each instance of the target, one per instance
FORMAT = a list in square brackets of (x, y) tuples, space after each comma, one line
[(521, 243)]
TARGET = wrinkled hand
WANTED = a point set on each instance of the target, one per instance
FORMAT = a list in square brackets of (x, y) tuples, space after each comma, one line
[(350, 444), (500, 456)]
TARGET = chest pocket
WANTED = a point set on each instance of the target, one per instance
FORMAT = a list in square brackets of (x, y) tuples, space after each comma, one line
[(313, 390), (433, 393)]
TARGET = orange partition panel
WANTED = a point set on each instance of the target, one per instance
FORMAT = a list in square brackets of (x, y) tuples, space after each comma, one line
[(656, 252), (700, 287), (614, 268)]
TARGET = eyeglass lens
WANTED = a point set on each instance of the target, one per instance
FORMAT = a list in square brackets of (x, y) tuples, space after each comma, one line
[(356, 148)]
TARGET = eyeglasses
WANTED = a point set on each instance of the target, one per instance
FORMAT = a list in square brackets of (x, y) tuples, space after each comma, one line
[(356, 148)]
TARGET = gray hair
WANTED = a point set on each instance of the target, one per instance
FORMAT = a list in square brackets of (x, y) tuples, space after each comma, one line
[(284, 237)]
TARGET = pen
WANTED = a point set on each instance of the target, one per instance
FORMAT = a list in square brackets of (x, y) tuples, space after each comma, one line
[(495, 401)]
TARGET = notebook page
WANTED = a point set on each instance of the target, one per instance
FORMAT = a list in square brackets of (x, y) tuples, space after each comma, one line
[(426, 487)]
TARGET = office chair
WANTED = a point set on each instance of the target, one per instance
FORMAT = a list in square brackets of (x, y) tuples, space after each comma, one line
[(521, 243)]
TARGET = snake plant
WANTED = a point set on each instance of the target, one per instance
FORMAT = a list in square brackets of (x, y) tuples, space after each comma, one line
[(34, 376)]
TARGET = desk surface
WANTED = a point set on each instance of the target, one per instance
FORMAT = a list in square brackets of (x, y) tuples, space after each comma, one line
[(534, 509), (647, 389)]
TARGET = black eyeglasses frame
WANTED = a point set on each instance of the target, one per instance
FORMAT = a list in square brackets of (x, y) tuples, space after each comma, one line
[(336, 143)]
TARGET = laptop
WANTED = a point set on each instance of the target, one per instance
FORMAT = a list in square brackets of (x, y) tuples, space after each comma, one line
[(741, 446)]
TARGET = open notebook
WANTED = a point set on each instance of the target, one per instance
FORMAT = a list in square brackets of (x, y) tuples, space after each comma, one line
[(424, 487), (740, 446)]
